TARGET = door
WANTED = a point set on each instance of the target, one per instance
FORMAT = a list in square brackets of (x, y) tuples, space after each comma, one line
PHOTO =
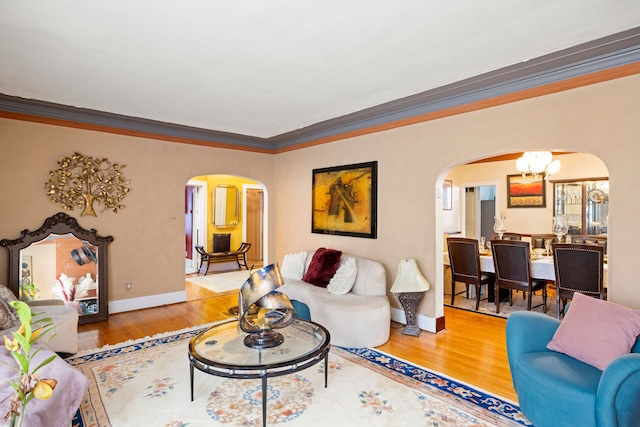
[(195, 219), (188, 221), (255, 218)]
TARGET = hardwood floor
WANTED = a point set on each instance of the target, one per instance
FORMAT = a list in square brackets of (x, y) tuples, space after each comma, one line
[(472, 349)]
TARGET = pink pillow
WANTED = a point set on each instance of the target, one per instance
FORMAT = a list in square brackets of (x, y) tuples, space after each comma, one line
[(323, 266), (595, 331)]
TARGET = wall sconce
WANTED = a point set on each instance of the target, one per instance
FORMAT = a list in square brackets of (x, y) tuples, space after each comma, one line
[(409, 287)]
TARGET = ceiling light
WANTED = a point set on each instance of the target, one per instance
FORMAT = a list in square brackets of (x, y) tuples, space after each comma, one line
[(537, 162)]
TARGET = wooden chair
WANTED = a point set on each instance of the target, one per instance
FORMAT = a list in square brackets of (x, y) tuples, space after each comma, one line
[(590, 240), (579, 268), (513, 271), (537, 240), (465, 267), (507, 236)]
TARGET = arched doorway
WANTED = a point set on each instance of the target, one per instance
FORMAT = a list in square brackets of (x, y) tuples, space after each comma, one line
[(242, 219), (494, 172)]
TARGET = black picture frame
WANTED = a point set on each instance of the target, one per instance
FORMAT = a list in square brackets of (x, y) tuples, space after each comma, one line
[(344, 200), (526, 192)]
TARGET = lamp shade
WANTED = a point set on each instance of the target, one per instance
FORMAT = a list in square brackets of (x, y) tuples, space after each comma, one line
[(409, 278)]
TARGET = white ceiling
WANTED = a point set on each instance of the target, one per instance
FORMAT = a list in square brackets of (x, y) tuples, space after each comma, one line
[(266, 67)]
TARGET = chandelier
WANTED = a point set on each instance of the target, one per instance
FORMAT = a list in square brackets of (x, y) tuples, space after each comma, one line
[(536, 163)]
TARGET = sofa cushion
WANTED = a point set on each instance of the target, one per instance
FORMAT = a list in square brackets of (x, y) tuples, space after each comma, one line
[(6, 319), (293, 266), (595, 331), (345, 277), (323, 266), (7, 296)]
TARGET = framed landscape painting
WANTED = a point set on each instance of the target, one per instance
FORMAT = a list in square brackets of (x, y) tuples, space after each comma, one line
[(526, 192), (344, 200)]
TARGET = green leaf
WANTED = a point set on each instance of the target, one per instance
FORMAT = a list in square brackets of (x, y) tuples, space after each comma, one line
[(24, 312), (23, 342), (44, 362), (22, 360)]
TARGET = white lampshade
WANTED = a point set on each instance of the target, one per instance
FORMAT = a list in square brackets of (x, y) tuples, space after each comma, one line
[(409, 278)]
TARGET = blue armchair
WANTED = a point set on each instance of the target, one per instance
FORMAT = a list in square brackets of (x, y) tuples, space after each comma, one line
[(557, 390)]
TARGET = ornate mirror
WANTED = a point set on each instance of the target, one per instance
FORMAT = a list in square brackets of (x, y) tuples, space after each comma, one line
[(61, 260)]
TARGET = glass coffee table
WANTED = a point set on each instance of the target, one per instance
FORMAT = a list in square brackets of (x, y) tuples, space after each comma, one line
[(220, 351)]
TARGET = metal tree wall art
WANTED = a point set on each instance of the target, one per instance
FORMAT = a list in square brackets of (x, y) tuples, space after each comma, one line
[(79, 181)]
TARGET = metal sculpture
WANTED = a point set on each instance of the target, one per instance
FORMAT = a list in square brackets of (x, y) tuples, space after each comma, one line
[(274, 309)]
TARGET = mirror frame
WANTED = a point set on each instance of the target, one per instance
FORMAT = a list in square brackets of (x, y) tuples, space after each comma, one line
[(61, 223), (230, 220)]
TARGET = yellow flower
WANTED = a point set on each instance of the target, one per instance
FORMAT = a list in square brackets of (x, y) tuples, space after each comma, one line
[(35, 333), (11, 345), (44, 388)]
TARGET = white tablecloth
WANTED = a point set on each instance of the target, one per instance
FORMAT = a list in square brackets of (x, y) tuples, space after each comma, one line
[(541, 268)]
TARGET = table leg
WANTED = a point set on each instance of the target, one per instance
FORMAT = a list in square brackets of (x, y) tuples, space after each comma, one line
[(191, 376), (326, 369), (264, 401)]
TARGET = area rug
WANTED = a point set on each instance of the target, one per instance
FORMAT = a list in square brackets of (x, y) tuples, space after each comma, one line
[(146, 382), (519, 304), (221, 282)]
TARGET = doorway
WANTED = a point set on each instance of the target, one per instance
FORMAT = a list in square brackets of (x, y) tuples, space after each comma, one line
[(479, 211), (253, 226), (195, 215)]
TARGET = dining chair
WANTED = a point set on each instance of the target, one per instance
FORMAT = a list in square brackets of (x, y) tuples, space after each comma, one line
[(507, 236), (590, 240), (465, 267), (537, 240), (579, 268), (511, 260)]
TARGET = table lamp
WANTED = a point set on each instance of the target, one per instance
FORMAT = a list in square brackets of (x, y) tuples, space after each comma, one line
[(410, 286)]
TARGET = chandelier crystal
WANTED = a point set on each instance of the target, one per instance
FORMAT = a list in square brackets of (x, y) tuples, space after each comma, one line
[(536, 163)]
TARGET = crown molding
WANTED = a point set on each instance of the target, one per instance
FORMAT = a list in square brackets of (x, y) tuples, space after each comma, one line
[(607, 53)]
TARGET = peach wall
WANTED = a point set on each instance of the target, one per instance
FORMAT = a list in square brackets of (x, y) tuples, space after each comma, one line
[(602, 119), (519, 220), (148, 246)]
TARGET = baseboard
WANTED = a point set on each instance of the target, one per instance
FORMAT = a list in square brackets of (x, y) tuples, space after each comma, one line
[(146, 302), (425, 323)]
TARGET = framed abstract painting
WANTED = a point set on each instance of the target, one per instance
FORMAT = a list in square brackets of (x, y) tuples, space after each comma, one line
[(344, 200)]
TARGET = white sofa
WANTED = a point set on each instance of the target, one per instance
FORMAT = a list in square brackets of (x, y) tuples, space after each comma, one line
[(359, 318), (63, 317)]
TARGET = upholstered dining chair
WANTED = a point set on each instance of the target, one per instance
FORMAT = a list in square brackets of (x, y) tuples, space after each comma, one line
[(513, 272), (537, 240), (507, 236), (579, 268), (590, 240), (465, 267)]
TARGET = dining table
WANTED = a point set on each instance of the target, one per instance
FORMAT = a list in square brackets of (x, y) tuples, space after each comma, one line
[(542, 266)]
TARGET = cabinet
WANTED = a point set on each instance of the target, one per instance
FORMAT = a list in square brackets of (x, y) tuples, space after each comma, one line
[(585, 203)]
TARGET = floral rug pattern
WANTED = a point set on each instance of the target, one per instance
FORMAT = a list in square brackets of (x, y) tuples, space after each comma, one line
[(366, 387)]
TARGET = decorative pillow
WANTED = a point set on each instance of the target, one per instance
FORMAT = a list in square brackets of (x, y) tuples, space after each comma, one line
[(323, 266), (345, 277), (293, 266), (596, 331), (6, 319), (7, 296)]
